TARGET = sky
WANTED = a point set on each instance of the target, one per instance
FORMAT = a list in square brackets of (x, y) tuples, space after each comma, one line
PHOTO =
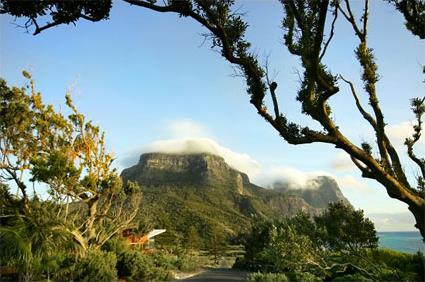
[(152, 84)]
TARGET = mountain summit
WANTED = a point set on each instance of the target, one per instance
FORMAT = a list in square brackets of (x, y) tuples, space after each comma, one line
[(319, 192), (184, 190), (201, 169)]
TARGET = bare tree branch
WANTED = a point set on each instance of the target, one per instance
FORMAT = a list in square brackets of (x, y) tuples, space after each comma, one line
[(418, 108), (366, 173), (364, 113), (365, 17), (272, 88), (331, 34), (350, 18)]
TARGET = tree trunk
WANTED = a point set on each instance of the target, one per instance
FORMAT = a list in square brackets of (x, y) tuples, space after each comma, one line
[(89, 226), (418, 211), (415, 203)]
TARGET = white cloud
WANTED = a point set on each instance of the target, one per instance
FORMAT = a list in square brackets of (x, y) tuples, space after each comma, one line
[(298, 179), (241, 162), (190, 137), (186, 128), (294, 178), (397, 133), (342, 162), (349, 182)]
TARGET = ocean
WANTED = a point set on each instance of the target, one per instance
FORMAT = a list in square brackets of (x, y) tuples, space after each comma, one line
[(408, 242)]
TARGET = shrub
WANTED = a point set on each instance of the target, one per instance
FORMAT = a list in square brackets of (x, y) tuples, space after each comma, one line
[(354, 277), (399, 260), (164, 261), (267, 277), (116, 245), (187, 263), (399, 266), (161, 274), (134, 265), (240, 263), (96, 266), (303, 277)]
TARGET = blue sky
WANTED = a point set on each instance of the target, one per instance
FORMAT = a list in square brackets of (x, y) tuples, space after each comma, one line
[(151, 84)]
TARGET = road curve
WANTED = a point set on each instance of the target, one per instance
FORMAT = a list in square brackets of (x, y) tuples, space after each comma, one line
[(219, 274)]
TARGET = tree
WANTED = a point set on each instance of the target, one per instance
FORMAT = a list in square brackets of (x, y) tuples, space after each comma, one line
[(414, 13), (343, 228), (216, 243), (291, 251), (61, 12), (87, 199), (192, 240), (304, 24), (170, 240)]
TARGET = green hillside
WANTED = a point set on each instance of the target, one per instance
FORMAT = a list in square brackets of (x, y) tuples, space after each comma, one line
[(201, 190)]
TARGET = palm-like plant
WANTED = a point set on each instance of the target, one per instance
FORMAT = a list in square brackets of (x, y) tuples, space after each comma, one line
[(29, 241)]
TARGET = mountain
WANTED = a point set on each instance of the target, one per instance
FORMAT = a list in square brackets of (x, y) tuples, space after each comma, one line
[(203, 170), (201, 190), (321, 191)]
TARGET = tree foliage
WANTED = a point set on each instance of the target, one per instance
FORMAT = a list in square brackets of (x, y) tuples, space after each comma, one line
[(40, 147), (216, 243), (342, 228), (192, 239), (57, 12), (96, 266), (414, 13)]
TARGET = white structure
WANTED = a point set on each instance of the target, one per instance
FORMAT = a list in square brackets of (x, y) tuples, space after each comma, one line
[(152, 234), (155, 232)]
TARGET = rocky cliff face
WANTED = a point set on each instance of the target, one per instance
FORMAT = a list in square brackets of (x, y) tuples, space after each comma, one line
[(156, 169)]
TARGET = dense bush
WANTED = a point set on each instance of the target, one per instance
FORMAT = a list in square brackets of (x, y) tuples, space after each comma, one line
[(96, 266), (354, 278), (135, 265), (164, 261), (399, 266), (117, 245), (132, 264), (267, 277), (297, 276), (187, 263)]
